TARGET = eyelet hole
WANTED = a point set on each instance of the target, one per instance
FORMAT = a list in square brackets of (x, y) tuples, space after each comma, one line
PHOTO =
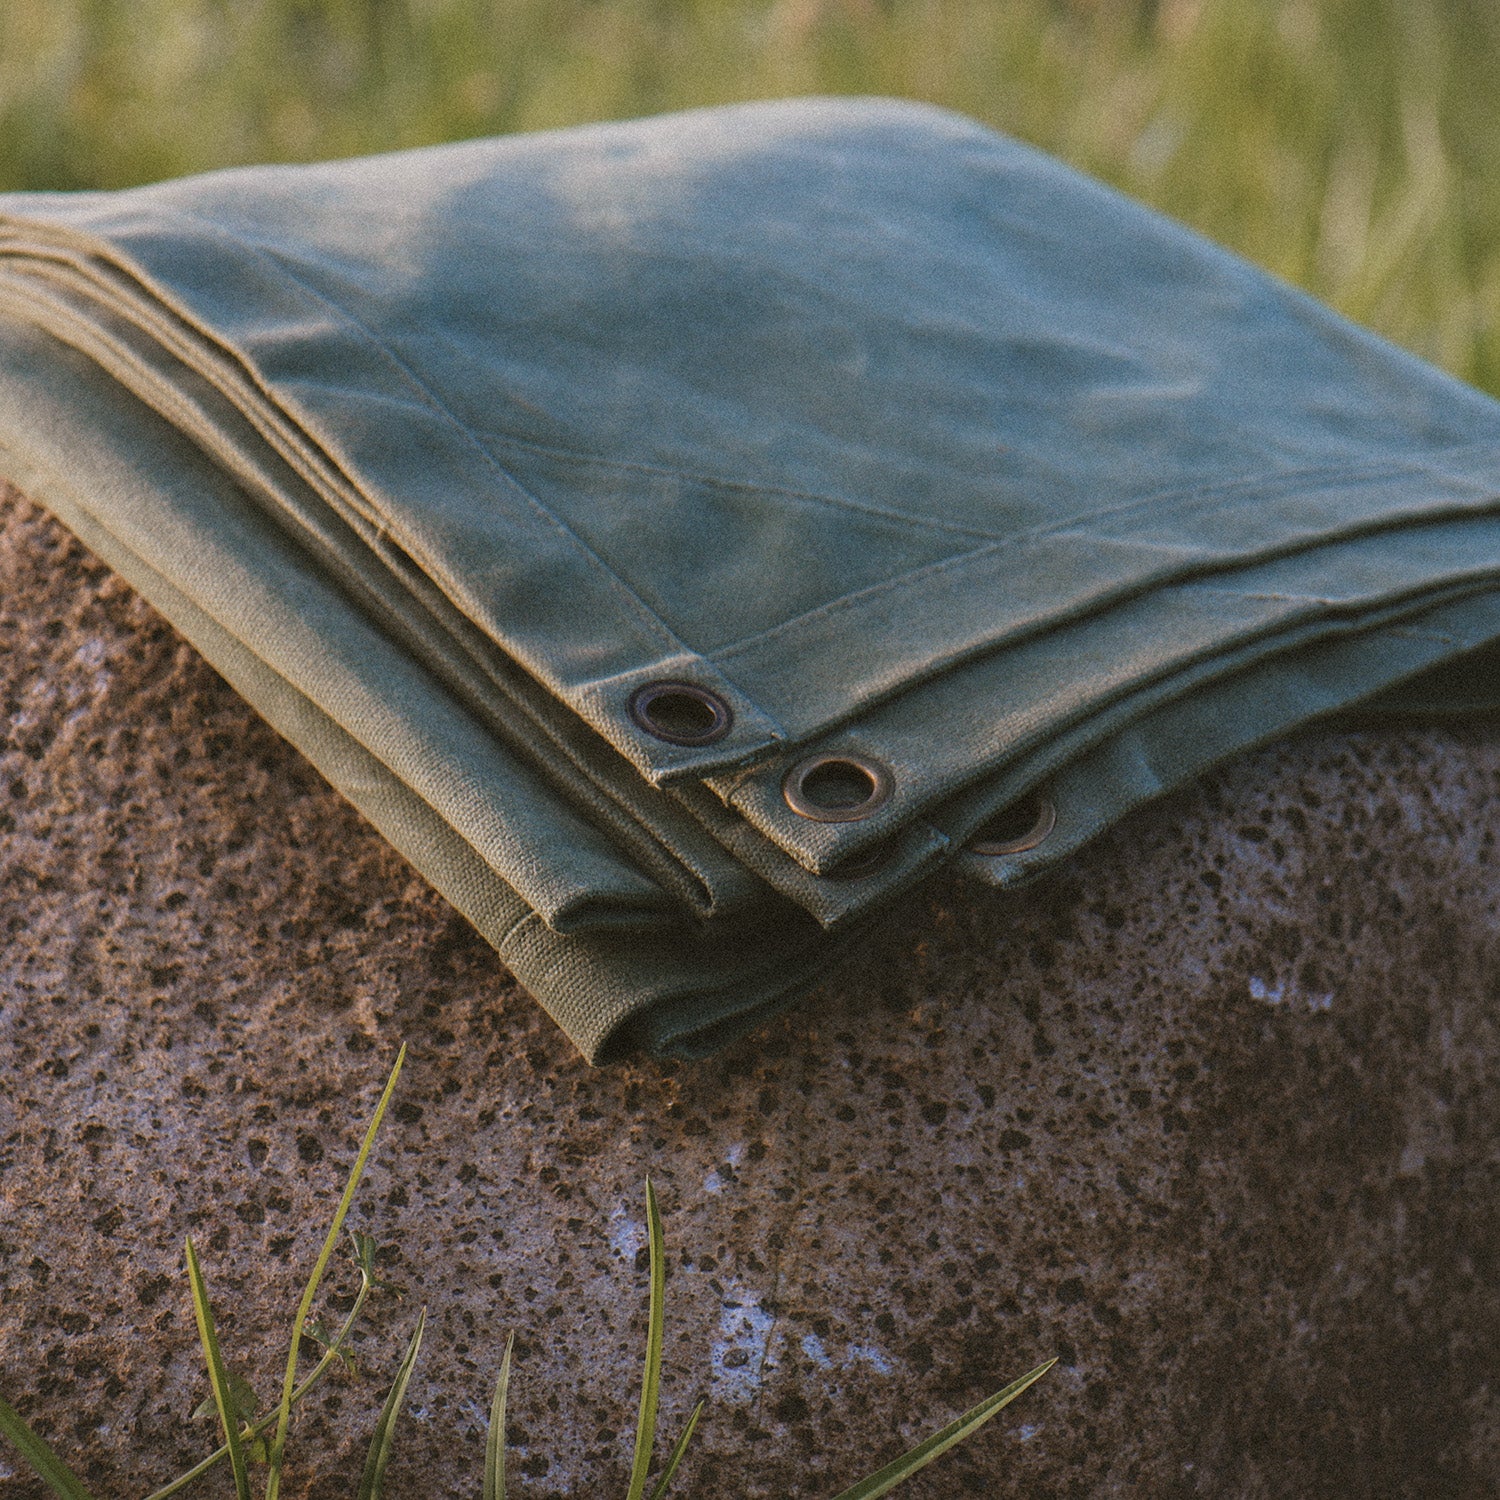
[(1014, 829), (681, 713), (836, 788)]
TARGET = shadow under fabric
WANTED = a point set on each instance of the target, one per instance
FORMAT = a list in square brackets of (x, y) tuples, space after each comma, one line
[(681, 537)]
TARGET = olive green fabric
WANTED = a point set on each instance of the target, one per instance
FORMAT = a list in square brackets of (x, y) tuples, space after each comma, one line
[(908, 451)]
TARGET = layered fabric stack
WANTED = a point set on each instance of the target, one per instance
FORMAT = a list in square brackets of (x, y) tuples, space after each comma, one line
[(682, 537)]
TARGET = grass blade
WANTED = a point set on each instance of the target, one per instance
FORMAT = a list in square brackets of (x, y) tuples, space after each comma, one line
[(955, 1432), (223, 1397), (263, 1424), (494, 1447), (676, 1455), (35, 1450), (284, 1411), (372, 1482), (645, 1427)]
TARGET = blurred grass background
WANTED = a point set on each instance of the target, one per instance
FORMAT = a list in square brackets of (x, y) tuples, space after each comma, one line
[(1350, 146)]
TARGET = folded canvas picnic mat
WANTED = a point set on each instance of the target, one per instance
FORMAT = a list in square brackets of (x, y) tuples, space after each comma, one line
[(680, 537)]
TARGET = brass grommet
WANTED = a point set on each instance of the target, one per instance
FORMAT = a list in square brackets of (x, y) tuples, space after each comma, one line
[(836, 788), (1021, 826), (681, 713)]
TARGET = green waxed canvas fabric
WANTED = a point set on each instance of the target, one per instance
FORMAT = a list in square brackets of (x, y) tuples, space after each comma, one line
[(908, 447)]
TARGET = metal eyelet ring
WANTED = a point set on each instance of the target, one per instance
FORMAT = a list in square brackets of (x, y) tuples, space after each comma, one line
[(836, 788), (681, 713), (1021, 826)]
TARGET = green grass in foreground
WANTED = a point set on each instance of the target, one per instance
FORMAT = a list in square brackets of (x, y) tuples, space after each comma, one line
[(253, 1441), (1347, 145)]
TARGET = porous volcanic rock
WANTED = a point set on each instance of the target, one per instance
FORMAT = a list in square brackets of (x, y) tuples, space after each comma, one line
[(1213, 1114)]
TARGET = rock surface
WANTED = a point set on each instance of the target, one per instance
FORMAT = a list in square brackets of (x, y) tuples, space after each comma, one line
[(1213, 1115)]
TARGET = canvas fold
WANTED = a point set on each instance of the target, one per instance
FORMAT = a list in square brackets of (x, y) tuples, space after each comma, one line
[(683, 537)]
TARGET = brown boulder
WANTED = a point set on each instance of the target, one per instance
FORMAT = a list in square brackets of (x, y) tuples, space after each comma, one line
[(1213, 1114)]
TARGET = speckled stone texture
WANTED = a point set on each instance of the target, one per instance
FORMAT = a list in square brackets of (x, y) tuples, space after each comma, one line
[(1213, 1115)]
